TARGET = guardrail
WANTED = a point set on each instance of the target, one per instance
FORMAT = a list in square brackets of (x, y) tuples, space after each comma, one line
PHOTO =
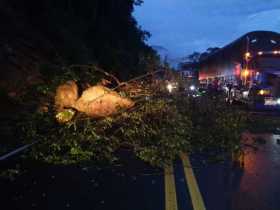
[(16, 151)]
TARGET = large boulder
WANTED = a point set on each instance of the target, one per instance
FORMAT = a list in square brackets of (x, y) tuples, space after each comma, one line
[(66, 95), (99, 101)]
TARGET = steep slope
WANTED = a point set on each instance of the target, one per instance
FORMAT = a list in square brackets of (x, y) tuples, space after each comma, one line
[(42, 33)]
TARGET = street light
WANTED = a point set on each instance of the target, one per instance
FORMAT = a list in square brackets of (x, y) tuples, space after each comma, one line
[(247, 55)]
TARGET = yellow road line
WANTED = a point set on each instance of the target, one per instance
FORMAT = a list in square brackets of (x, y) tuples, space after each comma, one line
[(197, 200), (170, 189)]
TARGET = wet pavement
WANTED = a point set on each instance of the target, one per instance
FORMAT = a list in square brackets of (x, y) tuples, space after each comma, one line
[(134, 185), (256, 187), (259, 186)]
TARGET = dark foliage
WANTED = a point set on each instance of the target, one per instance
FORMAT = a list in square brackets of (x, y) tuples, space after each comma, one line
[(90, 31)]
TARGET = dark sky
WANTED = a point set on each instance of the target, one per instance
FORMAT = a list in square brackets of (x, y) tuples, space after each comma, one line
[(184, 26)]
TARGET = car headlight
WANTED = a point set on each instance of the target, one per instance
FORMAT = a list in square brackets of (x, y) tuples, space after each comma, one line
[(192, 87), (263, 92), (169, 87), (278, 101)]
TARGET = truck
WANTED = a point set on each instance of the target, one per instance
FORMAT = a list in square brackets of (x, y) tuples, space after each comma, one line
[(248, 70)]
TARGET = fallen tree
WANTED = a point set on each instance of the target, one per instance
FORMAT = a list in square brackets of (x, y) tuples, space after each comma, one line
[(152, 124), (96, 101)]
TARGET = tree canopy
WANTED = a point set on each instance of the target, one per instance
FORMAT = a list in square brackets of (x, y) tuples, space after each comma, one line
[(91, 31)]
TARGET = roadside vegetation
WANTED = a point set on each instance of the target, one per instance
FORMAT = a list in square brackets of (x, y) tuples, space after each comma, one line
[(156, 129)]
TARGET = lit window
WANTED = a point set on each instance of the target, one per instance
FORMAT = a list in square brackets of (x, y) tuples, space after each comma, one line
[(273, 41)]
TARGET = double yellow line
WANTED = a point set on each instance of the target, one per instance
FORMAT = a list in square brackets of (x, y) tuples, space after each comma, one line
[(170, 189), (192, 186)]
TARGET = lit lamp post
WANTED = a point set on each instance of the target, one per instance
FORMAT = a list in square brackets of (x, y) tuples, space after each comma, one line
[(246, 72), (247, 58)]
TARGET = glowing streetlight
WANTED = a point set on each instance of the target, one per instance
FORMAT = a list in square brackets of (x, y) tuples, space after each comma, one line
[(247, 55)]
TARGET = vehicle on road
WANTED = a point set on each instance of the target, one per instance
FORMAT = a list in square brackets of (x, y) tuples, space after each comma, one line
[(248, 70)]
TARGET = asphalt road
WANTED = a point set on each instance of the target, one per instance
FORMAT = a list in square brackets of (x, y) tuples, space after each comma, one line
[(256, 187), (133, 185)]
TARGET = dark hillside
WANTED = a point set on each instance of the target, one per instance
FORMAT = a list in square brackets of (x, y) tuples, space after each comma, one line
[(37, 33)]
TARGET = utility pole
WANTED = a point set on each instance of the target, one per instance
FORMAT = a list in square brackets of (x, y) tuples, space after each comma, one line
[(247, 58)]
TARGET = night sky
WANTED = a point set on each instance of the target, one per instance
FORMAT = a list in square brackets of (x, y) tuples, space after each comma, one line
[(185, 26)]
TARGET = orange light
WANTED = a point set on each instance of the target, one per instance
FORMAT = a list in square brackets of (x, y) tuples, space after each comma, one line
[(246, 73), (264, 92), (247, 55)]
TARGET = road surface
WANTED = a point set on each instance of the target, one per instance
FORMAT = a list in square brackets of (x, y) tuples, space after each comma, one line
[(133, 185)]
